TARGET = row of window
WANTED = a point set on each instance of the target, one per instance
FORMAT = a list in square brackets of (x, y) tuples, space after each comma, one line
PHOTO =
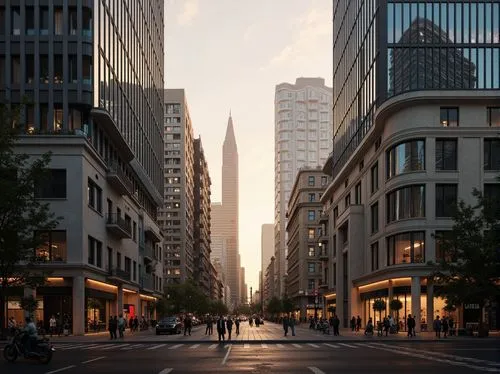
[(449, 116), (43, 14)]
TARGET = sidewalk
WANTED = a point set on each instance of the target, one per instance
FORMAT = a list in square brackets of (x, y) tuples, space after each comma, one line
[(267, 333)]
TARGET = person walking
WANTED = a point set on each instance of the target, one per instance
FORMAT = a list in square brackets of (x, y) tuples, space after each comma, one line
[(437, 327), (358, 323), (229, 325), (237, 324), (409, 325), (209, 326), (353, 323), (121, 325), (292, 322), (52, 325), (286, 324), (221, 329), (188, 323), (445, 325), (336, 324)]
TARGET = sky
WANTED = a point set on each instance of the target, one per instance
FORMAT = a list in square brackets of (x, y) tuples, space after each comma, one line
[(229, 55)]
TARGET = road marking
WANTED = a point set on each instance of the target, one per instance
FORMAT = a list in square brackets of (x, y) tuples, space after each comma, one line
[(313, 345), (444, 355), (347, 345), (176, 346), (264, 345), (430, 358), (166, 371), (68, 347), (296, 345), (111, 346), (227, 354), (62, 369), (92, 346), (280, 346), (246, 346), (134, 346), (331, 345), (194, 346), (315, 370), (156, 347), (94, 359), (213, 346)]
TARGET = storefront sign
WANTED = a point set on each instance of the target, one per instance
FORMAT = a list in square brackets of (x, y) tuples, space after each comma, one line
[(471, 306)]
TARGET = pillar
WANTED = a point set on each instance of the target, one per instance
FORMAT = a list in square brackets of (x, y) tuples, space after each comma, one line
[(119, 301), (415, 301), (430, 304), (138, 306), (78, 316), (28, 291)]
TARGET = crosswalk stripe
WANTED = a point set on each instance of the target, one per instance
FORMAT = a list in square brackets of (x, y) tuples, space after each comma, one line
[(246, 346), (347, 345), (156, 347), (71, 347), (264, 345), (93, 346), (331, 345), (132, 347), (111, 346), (280, 346), (213, 346), (176, 346), (296, 345), (313, 345), (194, 346)]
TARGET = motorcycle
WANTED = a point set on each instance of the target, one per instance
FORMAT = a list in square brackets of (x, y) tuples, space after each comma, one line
[(41, 349)]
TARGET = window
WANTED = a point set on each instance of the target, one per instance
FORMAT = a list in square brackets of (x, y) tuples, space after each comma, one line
[(87, 70), (2, 21), (374, 217), (87, 22), (441, 236), (73, 69), (357, 194), (15, 70), (335, 215), (311, 284), (95, 252), (44, 69), (173, 108), (128, 265), (30, 69), (406, 202), (312, 252), (494, 117), (73, 20), (374, 178), (310, 181), (311, 215), (58, 21), (134, 231), (491, 154), (118, 260), (94, 196), (52, 246), (374, 253), (15, 21), (324, 181), (405, 248), (58, 69), (44, 20), (347, 201), (446, 199), (312, 197), (446, 154), (29, 20), (311, 267), (406, 157), (310, 233), (334, 246), (134, 269), (53, 185), (449, 117)]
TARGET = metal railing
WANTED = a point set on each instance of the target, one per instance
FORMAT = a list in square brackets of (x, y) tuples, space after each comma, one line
[(115, 219), (120, 273)]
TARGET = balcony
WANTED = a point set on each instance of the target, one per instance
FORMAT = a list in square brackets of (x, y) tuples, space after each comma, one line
[(119, 275), (323, 285), (323, 255), (117, 226), (147, 283), (323, 217), (150, 233), (118, 179), (148, 252)]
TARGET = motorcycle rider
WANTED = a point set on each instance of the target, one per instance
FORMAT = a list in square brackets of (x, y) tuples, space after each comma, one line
[(31, 335)]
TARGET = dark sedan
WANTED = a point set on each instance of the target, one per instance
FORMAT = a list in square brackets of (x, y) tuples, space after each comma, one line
[(171, 325)]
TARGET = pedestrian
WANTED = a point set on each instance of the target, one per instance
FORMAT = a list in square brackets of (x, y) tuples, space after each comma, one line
[(437, 327), (110, 327), (12, 325), (188, 323), (336, 325), (52, 325), (444, 326), (221, 329), (285, 325), (122, 323), (353, 323), (387, 325), (229, 324), (237, 324), (358, 323), (292, 322), (136, 323), (209, 326), (114, 327), (451, 324)]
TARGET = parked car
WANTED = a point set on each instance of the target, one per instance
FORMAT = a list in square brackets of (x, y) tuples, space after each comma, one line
[(169, 325)]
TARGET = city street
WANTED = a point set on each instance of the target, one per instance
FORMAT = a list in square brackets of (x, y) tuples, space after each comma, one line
[(357, 357)]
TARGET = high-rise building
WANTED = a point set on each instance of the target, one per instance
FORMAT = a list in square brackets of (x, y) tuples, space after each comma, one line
[(267, 251), (99, 110), (177, 214), (225, 217), (243, 293), (416, 119), (202, 207), (303, 137)]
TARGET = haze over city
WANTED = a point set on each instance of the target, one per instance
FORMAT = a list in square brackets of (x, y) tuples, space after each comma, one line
[(221, 52)]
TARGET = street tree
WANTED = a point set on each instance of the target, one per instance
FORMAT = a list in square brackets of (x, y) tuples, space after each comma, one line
[(467, 270), (274, 306), (186, 298), (22, 216)]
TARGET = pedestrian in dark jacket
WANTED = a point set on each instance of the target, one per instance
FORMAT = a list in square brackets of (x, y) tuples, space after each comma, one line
[(221, 329), (229, 325), (285, 325)]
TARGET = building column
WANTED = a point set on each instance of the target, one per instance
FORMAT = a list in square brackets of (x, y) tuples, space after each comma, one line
[(355, 301), (119, 300), (430, 304), (79, 317), (415, 301), (390, 296), (28, 291)]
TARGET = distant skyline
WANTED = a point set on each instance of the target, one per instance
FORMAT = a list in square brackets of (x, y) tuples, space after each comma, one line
[(221, 53)]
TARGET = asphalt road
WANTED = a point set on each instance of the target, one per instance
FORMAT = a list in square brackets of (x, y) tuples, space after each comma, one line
[(317, 358)]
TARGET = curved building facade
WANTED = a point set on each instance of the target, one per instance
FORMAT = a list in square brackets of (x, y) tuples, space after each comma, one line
[(419, 138)]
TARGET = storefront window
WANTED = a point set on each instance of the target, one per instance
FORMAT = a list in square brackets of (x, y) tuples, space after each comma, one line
[(14, 310), (96, 314)]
